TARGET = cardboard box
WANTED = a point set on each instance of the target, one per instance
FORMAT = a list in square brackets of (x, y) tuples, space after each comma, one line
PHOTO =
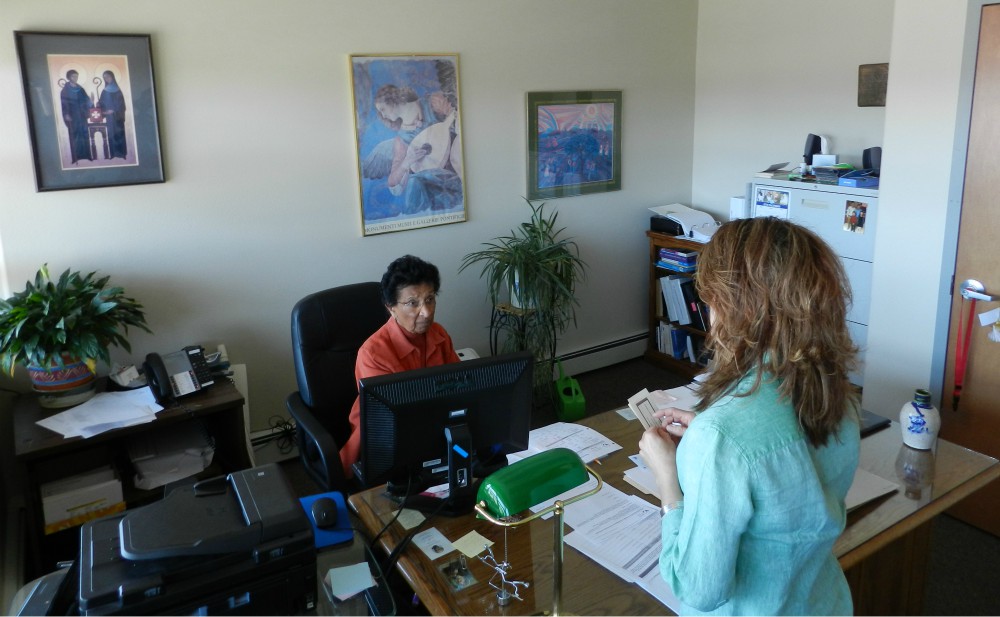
[(77, 499)]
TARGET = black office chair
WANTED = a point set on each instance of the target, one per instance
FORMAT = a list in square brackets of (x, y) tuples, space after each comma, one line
[(328, 328)]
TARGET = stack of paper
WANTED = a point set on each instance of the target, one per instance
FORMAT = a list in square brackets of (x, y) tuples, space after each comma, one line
[(621, 533), (589, 444), (176, 452), (865, 487), (106, 411)]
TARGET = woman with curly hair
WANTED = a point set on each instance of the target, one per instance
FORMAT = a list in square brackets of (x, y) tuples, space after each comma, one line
[(753, 484)]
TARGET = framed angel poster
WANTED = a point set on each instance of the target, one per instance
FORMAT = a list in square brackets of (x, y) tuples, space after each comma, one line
[(409, 141)]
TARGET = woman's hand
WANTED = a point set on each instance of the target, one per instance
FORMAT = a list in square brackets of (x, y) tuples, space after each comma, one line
[(675, 421), (658, 450)]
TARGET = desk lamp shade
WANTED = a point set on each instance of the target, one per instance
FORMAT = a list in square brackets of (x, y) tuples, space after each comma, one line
[(530, 481)]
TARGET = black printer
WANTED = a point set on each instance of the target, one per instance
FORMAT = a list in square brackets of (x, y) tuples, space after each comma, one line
[(234, 545)]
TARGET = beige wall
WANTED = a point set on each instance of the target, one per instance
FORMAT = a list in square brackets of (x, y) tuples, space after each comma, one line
[(261, 202), (260, 206), (929, 98), (768, 74)]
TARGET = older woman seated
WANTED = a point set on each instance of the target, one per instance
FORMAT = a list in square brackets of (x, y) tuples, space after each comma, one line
[(409, 339)]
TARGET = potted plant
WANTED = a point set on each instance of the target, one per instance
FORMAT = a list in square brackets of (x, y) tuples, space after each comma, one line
[(537, 269), (59, 329)]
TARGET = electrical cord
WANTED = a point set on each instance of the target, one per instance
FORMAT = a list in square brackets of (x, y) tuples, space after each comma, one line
[(286, 433), (409, 486), (405, 542)]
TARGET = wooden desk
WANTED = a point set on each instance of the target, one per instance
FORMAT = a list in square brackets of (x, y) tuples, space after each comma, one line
[(883, 550), (44, 455)]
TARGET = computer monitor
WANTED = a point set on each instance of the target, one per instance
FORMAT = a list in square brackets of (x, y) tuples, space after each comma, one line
[(451, 423)]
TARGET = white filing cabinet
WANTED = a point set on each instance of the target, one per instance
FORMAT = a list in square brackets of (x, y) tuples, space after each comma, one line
[(827, 210)]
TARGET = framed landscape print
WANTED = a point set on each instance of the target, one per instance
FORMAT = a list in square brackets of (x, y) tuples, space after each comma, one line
[(574, 143), (407, 115), (91, 108)]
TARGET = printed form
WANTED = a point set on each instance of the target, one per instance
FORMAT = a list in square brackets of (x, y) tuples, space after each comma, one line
[(621, 533)]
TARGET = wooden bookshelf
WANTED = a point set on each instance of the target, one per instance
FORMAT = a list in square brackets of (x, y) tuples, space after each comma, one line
[(658, 313)]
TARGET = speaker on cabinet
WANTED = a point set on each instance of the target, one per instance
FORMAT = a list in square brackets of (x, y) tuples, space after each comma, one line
[(871, 158), (814, 145)]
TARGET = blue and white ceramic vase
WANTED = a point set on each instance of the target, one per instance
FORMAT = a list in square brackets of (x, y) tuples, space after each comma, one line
[(920, 421)]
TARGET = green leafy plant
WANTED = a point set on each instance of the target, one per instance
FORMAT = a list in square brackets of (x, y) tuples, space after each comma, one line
[(80, 316), (538, 270)]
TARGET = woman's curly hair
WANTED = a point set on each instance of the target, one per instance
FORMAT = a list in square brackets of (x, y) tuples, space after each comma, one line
[(778, 298)]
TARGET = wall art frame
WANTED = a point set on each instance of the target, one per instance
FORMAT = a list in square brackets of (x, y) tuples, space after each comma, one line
[(90, 101), (873, 81), (408, 134), (574, 143)]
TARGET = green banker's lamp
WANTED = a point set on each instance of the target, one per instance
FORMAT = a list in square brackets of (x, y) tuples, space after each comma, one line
[(531, 481)]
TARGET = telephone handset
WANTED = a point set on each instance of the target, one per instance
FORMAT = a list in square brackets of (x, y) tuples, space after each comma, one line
[(178, 373)]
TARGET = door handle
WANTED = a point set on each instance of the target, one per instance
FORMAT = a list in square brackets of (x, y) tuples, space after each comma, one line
[(972, 289)]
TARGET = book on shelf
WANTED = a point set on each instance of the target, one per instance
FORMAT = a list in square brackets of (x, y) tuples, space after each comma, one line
[(675, 265), (692, 304), (663, 343), (679, 255), (775, 172), (669, 307), (671, 341), (674, 295), (678, 342)]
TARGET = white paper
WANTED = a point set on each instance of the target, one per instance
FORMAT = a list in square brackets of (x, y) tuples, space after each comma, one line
[(433, 543), (589, 444), (866, 487), (669, 209), (989, 317), (642, 478), (686, 397), (626, 413), (174, 452), (104, 412), (347, 581), (621, 533)]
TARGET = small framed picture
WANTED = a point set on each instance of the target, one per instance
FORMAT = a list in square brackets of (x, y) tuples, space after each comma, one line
[(873, 81), (407, 118), (574, 143), (91, 109)]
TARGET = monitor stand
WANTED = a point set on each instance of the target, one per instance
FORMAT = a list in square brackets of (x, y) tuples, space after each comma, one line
[(462, 487)]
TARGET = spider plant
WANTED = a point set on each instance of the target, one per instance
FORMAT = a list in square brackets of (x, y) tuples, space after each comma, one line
[(537, 269)]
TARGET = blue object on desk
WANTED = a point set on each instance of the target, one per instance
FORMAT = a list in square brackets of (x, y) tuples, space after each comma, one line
[(860, 178), (330, 536)]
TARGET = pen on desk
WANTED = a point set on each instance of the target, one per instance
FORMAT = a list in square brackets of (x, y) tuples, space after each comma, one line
[(598, 461)]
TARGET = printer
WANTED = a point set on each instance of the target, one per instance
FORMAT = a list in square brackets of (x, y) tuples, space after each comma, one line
[(236, 544), (680, 220)]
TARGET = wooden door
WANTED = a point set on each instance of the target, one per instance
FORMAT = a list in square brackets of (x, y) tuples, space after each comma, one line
[(975, 423)]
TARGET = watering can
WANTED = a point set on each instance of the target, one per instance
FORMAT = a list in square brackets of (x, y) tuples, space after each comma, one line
[(570, 404)]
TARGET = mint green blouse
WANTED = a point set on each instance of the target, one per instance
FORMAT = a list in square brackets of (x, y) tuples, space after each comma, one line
[(762, 509)]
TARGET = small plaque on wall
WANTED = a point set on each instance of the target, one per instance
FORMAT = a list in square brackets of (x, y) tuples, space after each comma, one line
[(872, 82)]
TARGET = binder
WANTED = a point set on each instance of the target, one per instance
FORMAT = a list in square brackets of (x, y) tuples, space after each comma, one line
[(677, 282), (691, 302)]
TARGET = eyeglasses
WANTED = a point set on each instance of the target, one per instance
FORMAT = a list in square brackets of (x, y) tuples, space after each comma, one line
[(414, 304)]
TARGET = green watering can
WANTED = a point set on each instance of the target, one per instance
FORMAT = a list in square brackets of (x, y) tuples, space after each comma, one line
[(571, 406)]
